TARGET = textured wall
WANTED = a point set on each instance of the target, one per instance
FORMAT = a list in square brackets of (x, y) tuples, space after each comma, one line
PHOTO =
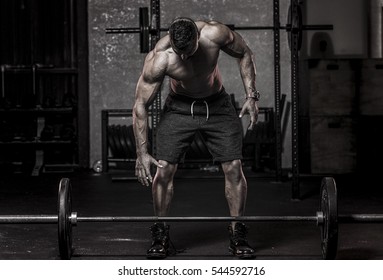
[(115, 61), (349, 18)]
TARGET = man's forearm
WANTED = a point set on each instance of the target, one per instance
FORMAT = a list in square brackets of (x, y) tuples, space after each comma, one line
[(140, 128), (248, 73)]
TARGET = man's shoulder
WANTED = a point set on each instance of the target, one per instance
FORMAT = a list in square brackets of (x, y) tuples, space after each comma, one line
[(160, 52), (163, 44), (157, 59), (214, 31), (210, 25)]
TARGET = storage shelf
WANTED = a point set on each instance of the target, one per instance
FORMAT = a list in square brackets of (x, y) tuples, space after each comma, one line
[(38, 110), (37, 142), (29, 69)]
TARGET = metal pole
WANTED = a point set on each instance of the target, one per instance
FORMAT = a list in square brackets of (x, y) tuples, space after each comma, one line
[(294, 101), (104, 140), (277, 90), (156, 106)]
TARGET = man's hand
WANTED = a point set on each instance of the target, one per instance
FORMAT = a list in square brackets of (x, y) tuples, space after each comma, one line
[(251, 107), (143, 163)]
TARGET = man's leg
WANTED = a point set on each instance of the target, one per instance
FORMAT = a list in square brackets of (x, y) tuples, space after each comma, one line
[(162, 191), (235, 187), (236, 193)]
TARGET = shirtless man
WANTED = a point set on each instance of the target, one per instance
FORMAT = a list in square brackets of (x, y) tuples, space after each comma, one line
[(197, 101)]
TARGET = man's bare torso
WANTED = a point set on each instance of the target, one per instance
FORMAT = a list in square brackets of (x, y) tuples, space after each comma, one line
[(198, 76)]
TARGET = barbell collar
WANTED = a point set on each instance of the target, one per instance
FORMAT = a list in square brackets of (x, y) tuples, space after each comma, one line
[(320, 218), (28, 219), (73, 219)]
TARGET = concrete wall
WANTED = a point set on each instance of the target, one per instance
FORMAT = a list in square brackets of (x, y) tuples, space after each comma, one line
[(115, 61), (350, 20)]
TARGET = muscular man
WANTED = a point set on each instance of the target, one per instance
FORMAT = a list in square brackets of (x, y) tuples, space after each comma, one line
[(197, 102)]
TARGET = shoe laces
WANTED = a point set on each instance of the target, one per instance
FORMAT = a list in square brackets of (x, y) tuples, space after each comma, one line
[(239, 233), (159, 232)]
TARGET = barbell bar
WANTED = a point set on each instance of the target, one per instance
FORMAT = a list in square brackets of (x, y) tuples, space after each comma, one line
[(326, 218), (74, 219), (294, 25), (287, 27)]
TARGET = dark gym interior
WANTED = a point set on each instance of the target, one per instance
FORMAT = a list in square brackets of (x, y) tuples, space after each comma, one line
[(67, 91)]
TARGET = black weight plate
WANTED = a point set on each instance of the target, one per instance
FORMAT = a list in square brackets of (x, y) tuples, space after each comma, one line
[(129, 151), (132, 140), (116, 137), (64, 210), (144, 29), (329, 207), (111, 143), (131, 145), (297, 24), (121, 142), (124, 145)]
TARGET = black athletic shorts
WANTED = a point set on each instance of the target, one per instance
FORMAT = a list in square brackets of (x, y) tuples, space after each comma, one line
[(215, 117)]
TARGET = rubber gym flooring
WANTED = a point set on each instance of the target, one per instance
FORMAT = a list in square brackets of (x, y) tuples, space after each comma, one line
[(196, 194)]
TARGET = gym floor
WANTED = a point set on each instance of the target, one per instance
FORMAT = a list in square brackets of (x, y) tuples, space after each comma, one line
[(196, 194)]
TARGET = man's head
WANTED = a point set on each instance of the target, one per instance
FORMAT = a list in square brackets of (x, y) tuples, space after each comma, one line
[(184, 37)]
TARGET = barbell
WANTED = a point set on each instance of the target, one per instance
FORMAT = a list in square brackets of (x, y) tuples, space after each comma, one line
[(326, 218), (294, 26)]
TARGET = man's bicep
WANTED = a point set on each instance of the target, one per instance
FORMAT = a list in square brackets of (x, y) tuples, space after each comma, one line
[(152, 76), (146, 89), (236, 46)]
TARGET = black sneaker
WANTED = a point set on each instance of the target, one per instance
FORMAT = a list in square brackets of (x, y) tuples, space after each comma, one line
[(239, 246), (160, 242)]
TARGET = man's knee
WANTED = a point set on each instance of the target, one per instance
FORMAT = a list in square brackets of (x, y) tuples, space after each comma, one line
[(232, 166), (233, 169), (166, 172)]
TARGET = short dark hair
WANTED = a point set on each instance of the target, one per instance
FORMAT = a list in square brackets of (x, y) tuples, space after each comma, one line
[(183, 31)]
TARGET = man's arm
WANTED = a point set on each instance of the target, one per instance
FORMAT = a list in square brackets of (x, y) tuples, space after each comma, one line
[(148, 85), (233, 44)]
